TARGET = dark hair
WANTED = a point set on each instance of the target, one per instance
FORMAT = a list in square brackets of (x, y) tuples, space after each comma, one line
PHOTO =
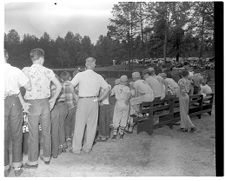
[(184, 73), (65, 75), (37, 53)]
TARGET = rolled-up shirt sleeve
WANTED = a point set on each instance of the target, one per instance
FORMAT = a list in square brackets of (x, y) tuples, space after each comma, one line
[(103, 83), (75, 80)]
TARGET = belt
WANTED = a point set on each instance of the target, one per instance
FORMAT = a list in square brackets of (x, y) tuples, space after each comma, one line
[(10, 95), (88, 97)]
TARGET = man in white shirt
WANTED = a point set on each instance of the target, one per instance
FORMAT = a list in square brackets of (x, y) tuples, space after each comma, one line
[(13, 117), (89, 83), (205, 88)]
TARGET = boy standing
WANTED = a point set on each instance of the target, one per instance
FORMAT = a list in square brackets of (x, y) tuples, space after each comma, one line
[(121, 111), (38, 97), (104, 117), (71, 101), (58, 116)]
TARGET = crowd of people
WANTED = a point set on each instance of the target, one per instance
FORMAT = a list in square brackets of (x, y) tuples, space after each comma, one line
[(74, 111)]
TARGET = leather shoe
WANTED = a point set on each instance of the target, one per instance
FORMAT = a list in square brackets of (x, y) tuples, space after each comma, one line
[(18, 171), (46, 162)]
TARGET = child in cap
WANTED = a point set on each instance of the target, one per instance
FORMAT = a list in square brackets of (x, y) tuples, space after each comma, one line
[(121, 110)]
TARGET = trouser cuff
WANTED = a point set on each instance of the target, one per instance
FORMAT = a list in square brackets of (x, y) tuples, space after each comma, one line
[(32, 162), (6, 167), (46, 159), (17, 165)]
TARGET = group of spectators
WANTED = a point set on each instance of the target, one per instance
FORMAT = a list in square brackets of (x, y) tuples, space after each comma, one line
[(74, 111)]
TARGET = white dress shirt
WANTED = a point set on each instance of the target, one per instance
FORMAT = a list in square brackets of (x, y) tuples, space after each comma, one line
[(89, 83), (14, 79)]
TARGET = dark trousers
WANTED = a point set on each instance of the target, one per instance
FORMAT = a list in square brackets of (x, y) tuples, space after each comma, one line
[(13, 129), (104, 120), (58, 116), (39, 112), (69, 123)]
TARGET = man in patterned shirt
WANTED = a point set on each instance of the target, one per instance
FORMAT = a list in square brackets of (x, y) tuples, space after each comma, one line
[(38, 97)]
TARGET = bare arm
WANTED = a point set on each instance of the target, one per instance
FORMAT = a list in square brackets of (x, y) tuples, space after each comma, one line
[(105, 93), (24, 104), (57, 92)]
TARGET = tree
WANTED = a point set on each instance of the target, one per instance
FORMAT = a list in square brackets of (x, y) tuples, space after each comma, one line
[(124, 23), (202, 24)]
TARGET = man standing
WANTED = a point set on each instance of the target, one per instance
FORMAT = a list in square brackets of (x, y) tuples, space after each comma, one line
[(89, 83), (13, 104), (38, 97)]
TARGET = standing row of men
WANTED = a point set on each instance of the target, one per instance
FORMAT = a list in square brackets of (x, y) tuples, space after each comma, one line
[(38, 103)]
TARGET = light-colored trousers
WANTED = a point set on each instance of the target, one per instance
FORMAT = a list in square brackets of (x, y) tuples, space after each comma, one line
[(184, 108), (121, 114), (86, 116)]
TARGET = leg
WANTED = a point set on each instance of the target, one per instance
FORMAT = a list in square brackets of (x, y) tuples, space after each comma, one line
[(123, 122), (102, 120), (54, 130), (46, 126), (33, 140), (16, 121), (63, 115), (7, 108), (81, 116), (91, 125)]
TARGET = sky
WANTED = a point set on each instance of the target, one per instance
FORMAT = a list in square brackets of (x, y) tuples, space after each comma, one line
[(84, 17)]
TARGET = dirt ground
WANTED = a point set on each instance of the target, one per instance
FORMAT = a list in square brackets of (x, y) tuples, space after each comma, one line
[(167, 152)]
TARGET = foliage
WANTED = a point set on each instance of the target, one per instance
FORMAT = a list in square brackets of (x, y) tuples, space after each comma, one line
[(136, 30)]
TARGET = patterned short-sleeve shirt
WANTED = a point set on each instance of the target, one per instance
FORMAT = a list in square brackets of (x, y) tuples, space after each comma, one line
[(40, 78)]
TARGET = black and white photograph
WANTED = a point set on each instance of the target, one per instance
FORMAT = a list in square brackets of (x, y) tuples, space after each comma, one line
[(112, 88)]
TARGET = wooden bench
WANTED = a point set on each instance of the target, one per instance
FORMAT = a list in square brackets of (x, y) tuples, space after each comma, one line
[(168, 111)]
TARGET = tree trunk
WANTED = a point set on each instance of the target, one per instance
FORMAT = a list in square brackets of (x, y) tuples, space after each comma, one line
[(165, 35), (202, 38), (165, 44)]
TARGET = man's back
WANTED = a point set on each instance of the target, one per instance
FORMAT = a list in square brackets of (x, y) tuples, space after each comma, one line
[(155, 86), (14, 79), (89, 83), (141, 88), (40, 78)]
